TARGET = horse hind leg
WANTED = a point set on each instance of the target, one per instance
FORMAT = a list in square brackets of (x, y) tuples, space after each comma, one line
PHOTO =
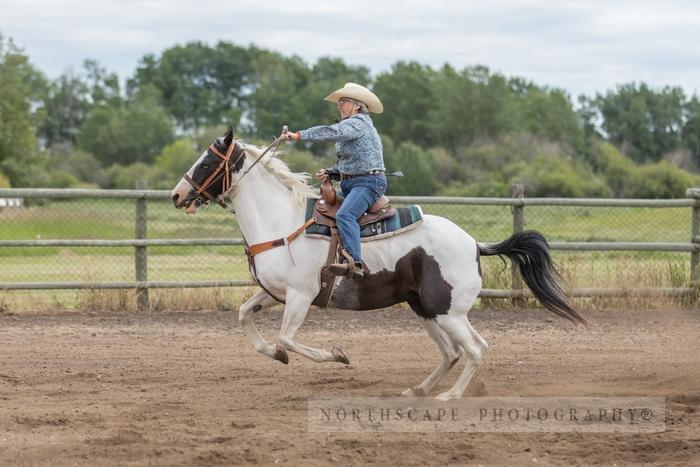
[(450, 355), (460, 330)]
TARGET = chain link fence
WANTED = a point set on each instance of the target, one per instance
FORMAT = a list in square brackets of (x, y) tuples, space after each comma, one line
[(37, 239)]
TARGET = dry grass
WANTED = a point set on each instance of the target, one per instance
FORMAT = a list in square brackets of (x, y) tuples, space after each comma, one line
[(607, 271), (625, 271), (221, 299)]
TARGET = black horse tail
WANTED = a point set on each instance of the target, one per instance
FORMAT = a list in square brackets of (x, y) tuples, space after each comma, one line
[(530, 251)]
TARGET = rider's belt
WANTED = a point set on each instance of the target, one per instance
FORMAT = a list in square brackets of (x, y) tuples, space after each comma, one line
[(348, 176)]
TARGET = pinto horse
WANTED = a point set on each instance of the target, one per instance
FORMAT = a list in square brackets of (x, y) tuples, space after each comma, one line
[(433, 267)]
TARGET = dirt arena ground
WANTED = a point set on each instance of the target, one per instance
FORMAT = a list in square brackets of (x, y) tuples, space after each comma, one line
[(166, 388)]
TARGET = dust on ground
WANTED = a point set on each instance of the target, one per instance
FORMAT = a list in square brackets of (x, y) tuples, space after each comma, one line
[(187, 387)]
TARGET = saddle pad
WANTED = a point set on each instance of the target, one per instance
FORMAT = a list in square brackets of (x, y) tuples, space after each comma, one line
[(403, 218)]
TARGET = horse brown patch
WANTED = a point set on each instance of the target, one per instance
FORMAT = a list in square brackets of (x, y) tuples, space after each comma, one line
[(416, 279)]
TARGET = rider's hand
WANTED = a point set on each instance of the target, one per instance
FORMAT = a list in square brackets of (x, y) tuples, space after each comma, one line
[(322, 175), (291, 135)]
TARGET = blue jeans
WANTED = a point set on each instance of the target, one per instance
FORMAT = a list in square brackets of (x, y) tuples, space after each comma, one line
[(360, 193)]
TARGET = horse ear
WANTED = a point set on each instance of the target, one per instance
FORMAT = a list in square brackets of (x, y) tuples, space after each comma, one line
[(228, 137)]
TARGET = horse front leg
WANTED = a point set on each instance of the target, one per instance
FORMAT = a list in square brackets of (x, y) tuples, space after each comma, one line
[(294, 314), (257, 302)]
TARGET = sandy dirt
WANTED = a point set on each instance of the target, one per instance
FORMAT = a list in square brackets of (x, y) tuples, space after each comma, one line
[(164, 388)]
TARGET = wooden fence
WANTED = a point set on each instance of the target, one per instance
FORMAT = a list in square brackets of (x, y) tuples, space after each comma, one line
[(518, 204)]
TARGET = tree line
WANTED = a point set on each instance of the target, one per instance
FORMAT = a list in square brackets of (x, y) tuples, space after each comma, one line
[(468, 132)]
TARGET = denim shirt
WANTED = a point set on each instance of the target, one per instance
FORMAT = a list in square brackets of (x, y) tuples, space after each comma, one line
[(357, 144)]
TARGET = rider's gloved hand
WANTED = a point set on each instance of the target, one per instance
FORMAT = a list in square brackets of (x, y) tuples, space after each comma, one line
[(333, 173), (322, 175)]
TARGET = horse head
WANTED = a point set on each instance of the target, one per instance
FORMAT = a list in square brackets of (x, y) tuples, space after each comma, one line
[(209, 178)]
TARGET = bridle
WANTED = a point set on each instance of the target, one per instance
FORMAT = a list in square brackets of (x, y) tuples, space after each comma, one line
[(222, 170)]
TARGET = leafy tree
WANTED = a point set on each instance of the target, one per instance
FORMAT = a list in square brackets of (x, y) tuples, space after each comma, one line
[(66, 106), (548, 113), (452, 116), (489, 167), (642, 122), (659, 180), (614, 167), (556, 176), (407, 94), (588, 117), (470, 105), (68, 100), (177, 157), (419, 172), (199, 85), (275, 100), (124, 134), (82, 165), (126, 176), (62, 179), (446, 166), (691, 128), (102, 85), (18, 157), (496, 106)]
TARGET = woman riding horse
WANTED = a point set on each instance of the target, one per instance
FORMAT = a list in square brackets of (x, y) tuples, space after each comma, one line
[(360, 163)]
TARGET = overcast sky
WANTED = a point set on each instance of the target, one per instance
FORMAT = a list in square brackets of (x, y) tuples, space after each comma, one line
[(580, 46)]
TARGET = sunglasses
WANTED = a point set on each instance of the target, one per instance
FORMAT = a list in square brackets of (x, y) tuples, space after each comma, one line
[(342, 102)]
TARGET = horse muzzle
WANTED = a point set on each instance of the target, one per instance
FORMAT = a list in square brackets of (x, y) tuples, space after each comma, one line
[(190, 202)]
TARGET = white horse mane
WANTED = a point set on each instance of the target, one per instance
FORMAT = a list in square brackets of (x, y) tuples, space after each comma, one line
[(296, 182)]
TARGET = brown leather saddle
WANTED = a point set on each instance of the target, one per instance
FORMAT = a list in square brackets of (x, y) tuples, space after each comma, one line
[(327, 207), (325, 211)]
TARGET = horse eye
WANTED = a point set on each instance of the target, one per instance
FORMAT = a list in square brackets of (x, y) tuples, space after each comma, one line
[(205, 166)]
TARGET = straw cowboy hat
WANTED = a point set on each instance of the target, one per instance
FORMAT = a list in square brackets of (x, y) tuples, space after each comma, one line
[(359, 93)]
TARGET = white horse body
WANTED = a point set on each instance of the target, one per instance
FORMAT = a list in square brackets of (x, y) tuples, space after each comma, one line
[(434, 267), (305, 257)]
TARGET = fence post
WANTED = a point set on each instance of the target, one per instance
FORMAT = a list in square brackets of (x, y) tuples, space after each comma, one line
[(517, 191), (140, 252), (694, 235)]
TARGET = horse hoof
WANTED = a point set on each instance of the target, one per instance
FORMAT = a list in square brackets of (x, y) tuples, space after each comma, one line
[(340, 355), (281, 355), (446, 396), (414, 392)]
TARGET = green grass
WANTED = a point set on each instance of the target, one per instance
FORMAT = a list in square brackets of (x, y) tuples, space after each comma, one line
[(69, 266), (570, 223), (114, 219)]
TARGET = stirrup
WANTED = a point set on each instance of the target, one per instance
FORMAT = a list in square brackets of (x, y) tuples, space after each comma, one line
[(348, 269), (342, 269)]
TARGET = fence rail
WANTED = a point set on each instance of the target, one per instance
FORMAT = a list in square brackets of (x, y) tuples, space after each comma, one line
[(519, 204)]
